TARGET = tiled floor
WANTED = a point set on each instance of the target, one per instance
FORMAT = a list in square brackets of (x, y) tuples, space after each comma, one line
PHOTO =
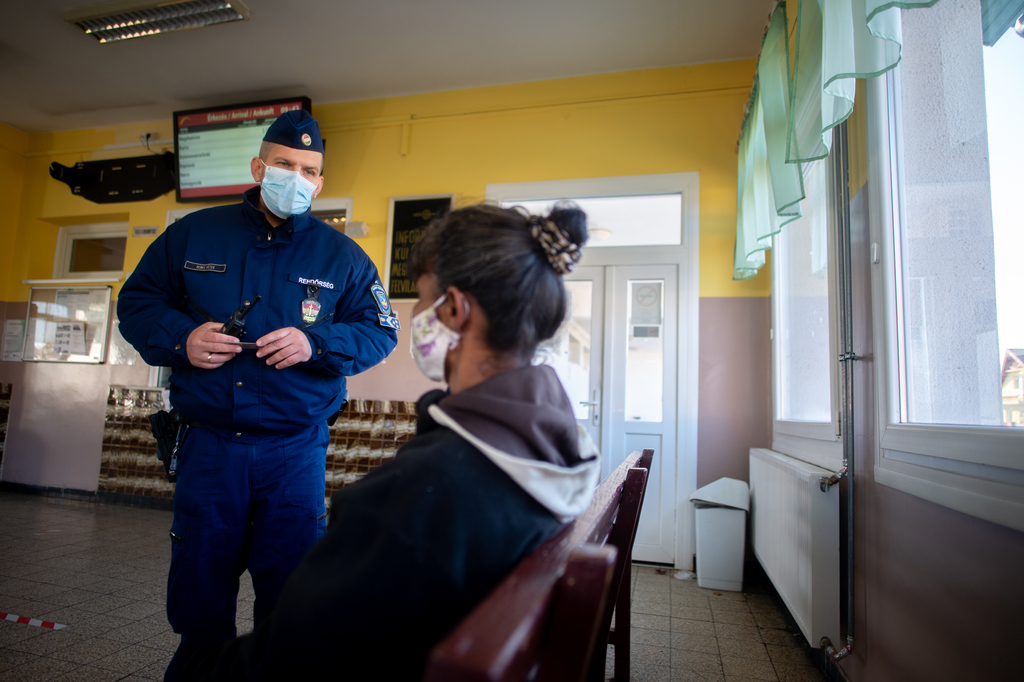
[(682, 632), (101, 571)]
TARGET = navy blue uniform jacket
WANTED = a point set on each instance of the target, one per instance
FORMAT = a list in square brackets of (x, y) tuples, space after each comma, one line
[(221, 257)]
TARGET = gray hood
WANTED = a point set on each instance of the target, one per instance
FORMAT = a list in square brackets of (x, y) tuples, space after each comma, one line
[(522, 421)]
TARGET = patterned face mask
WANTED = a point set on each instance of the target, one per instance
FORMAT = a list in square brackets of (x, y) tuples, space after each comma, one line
[(430, 341)]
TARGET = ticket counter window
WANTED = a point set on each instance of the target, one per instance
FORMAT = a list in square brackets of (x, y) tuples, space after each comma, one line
[(90, 251), (98, 253)]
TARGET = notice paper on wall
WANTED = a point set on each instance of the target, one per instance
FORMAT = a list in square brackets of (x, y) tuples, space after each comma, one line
[(70, 338), (71, 301), (67, 324), (14, 340)]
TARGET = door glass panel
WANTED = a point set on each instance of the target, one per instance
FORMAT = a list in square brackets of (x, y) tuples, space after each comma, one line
[(568, 352), (645, 351), (646, 220)]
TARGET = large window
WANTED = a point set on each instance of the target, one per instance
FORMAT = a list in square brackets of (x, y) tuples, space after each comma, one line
[(948, 312), (804, 391), (803, 304)]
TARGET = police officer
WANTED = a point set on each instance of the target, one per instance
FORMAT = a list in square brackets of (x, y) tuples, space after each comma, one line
[(250, 490)]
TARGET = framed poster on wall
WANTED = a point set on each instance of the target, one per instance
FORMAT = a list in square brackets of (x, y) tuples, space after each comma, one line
[(67, 324), (407, 218)]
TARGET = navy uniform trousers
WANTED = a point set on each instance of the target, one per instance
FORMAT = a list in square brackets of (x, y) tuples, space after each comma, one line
[(237, 506)]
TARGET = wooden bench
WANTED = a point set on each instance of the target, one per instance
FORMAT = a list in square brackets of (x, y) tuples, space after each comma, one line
[(550, 619)]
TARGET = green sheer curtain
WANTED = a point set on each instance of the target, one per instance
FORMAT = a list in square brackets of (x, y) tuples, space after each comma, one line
[(837, 42), (997, 16), (756, 217), (769, 189)]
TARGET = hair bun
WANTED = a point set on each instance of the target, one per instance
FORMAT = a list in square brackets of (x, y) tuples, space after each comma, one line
[(561, 235)]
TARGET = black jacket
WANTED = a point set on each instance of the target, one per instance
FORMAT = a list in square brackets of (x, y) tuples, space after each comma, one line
[(409, 550)]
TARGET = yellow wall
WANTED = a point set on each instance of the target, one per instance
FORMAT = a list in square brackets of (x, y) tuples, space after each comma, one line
[(857, 141), (639, 122), (13, 145)]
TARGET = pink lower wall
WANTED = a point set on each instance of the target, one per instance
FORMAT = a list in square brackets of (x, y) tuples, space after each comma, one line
[(55, 427), (397, 378), (939, 593), (734, 385)]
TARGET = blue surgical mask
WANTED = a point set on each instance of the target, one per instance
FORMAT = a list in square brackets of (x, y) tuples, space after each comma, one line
[(286, 193)]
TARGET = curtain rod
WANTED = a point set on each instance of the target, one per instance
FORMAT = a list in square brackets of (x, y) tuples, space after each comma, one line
[(753, 85)]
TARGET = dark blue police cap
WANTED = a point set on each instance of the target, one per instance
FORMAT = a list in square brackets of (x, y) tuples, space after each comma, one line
[(296, 129)]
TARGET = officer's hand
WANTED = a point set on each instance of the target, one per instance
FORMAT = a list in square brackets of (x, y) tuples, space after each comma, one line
[(207, 348), (285, 347)]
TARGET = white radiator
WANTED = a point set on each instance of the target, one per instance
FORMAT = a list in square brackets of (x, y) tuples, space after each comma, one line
[(794, 530)]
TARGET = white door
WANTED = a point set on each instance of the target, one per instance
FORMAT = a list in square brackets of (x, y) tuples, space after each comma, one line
[(616, 357), (640, 393)]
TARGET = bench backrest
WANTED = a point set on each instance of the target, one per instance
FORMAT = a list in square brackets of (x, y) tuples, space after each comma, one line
[(544, 618)]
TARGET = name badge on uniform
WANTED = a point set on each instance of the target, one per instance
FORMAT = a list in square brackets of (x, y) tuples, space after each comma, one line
[(311, 306), (205, 267)]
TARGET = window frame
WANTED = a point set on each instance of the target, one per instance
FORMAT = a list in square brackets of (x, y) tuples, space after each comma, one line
[(818, 443), (977, 470), (66, 237)]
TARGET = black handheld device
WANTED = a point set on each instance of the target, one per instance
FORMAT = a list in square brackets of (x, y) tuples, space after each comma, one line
[(235, 326)]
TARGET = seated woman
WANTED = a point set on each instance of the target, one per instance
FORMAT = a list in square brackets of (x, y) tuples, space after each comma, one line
[(496, 466)]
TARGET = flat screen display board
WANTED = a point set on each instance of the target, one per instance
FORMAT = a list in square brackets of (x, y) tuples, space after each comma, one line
[(213, 146)]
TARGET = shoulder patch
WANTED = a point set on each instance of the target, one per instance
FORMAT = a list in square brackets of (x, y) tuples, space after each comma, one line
[(381, 298), (389, 321)]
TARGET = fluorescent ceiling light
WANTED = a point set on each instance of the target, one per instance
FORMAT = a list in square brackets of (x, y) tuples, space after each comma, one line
[(124, 19)]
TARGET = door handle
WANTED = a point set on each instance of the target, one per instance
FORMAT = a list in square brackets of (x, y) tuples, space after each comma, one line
[(594, 406)]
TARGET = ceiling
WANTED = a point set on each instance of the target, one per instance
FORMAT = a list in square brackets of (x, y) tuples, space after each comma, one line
[(54, 77)]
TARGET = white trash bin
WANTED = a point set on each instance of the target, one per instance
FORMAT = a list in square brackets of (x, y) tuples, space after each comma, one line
[(721, 514)]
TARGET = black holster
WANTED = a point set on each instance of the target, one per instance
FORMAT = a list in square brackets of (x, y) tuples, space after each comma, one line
[(169, 430), (334, 417)]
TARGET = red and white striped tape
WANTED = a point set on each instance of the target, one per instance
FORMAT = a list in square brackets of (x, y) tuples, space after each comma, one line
[(34, 622)]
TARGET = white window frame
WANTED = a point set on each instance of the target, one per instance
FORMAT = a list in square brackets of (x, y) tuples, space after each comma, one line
[(977, 470), (817, 443), (334, 204), (66, 237)]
